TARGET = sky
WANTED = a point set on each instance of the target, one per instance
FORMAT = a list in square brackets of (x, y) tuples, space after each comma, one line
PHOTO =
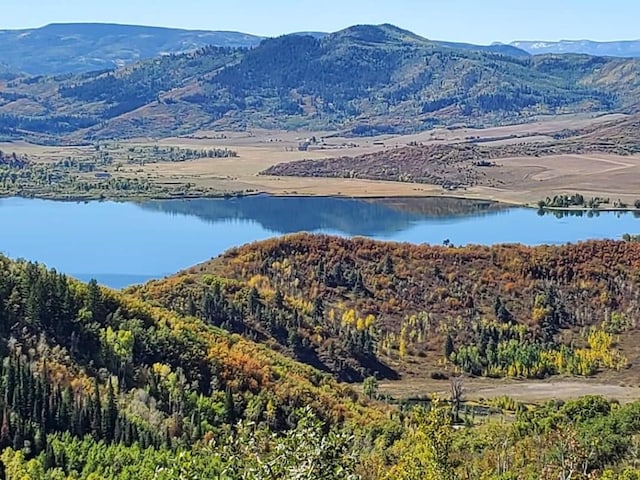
[(474, 21)]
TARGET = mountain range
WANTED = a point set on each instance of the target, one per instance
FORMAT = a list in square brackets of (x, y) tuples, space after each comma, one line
[(364, 80), (629, 48), (82, 47)]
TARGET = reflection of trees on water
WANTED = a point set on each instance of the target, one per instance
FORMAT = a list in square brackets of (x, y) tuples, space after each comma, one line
[(586, 213), (350, 216), (441, 207)]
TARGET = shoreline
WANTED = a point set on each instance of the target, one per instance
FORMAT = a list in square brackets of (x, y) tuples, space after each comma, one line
[(231, 195), (129, 198), (360, 196), (590, 209)]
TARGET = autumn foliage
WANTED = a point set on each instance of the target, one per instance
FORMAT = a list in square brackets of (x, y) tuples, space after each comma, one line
[(507, 310)]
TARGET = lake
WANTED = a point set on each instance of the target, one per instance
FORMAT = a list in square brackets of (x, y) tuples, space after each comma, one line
[(121, 244)]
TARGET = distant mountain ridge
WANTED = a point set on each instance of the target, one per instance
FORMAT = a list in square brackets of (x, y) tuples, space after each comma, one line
[(628, 48), (6, 72), (82, 47), (62, 48), (363, 80)]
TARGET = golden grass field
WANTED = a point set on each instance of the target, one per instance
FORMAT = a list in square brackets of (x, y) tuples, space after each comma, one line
[(521, 180), (526, 180)]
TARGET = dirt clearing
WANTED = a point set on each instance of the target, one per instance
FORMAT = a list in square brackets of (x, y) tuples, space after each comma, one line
[(528, 391)]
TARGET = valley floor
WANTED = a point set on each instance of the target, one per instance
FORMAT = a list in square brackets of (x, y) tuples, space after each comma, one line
[(519, 180)]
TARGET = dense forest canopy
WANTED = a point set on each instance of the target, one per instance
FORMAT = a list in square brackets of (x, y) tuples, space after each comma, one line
[(99, 384), (80, 362), (360, 307)]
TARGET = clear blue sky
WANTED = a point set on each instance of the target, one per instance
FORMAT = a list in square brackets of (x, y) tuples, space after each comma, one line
[(478, 21)]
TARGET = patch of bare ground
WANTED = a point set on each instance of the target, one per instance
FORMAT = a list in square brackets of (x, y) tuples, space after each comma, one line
[(528, 391), (529, 179)]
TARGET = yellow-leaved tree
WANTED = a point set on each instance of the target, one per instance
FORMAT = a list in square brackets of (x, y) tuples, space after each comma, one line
[(424, 453)]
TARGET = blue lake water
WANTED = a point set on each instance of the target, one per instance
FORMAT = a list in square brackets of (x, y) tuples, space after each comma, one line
[(121, 244)]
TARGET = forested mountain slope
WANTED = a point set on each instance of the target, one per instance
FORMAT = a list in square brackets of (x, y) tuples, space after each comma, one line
[(63, 48), (98, 384), (360, 307), (364, 79), (82, 362)]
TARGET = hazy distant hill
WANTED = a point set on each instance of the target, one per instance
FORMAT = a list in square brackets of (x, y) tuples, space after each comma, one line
[(630, 49), (365, 79), (495, 48), (82, 47)]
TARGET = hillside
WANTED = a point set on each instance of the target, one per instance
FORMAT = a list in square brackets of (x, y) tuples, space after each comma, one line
[(64, 48), (82, 362), (358, 307), (469, 163), (82, 47), (362, 80), (628, 49), (98, 384), (619, 132)]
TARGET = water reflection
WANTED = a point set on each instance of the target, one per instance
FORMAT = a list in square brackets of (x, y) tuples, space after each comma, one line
[(366, 217), (125, 243), (587, 213)]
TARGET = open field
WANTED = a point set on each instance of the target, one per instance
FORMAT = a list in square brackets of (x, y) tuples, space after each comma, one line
[(623, 385), (517, 180), (521, 180), (528, 391), (529, 179)]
